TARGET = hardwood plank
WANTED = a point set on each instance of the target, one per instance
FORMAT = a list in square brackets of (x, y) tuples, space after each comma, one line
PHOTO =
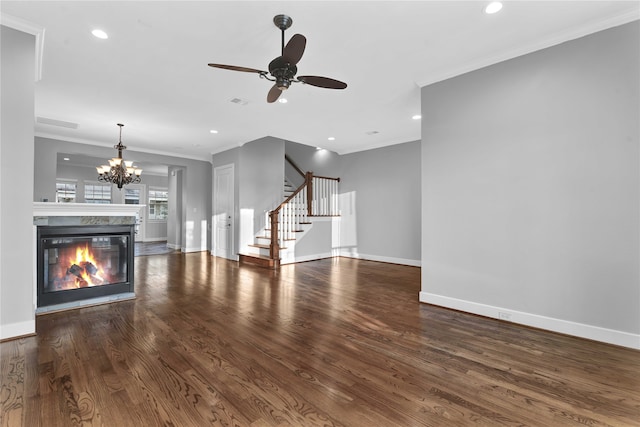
[(334, 342)]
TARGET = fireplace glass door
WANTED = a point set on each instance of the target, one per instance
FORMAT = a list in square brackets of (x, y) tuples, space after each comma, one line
[(78, 264)]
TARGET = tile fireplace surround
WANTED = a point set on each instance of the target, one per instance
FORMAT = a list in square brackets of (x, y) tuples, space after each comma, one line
[(80, 215)]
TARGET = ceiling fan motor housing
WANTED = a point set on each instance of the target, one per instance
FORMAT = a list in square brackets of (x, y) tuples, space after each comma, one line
[(283, 72)]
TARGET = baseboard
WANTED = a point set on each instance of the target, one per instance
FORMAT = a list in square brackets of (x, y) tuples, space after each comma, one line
[(350, 254), (16, 330), (156, 239), (186, 250), (306, 258), (173, 246), (233, 257), (581, 330)]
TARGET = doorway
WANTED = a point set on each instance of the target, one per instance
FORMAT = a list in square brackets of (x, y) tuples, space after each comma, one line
[(223, 208)]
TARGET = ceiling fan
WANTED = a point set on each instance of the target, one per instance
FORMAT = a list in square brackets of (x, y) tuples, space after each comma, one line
[(282, 70)]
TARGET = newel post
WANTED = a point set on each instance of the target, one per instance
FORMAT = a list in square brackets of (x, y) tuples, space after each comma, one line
[(274, 247), (309, 179)]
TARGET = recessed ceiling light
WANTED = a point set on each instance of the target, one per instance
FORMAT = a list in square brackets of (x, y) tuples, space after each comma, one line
[(100, 34), (282, 100), (66, 159), (213, 131), (416, 117), (331, 138), (493, 7), (318, 148)]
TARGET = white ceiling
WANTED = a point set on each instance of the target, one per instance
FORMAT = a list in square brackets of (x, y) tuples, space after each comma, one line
[(152, 74)]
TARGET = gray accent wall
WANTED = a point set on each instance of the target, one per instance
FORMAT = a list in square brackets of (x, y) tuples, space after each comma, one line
[(531, 189), (17, 306)]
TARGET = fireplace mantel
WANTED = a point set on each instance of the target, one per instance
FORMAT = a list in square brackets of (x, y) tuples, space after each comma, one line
[(43, 209)]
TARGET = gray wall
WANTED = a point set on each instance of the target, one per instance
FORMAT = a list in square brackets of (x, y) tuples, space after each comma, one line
[(176, 207), (380, 204), (380, 196), (153, 230), (196, 184), (17, 308), (309, 159), (260, 185), (530, 175)]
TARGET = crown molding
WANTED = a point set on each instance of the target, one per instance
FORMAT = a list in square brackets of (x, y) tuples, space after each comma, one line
[(555, 39), (29, 28)]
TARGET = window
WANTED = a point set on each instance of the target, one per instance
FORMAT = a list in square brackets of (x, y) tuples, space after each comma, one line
[(131, 196), (97, 193), (65, 191), (158, 203)]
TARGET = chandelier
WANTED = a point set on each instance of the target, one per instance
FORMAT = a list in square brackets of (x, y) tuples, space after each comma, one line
[(119, 171)]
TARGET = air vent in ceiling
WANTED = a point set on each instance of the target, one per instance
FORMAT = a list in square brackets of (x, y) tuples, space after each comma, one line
[(59, 123), (238, 101)]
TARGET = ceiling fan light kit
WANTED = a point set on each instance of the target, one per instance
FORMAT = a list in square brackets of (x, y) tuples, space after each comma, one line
[(283, 69)]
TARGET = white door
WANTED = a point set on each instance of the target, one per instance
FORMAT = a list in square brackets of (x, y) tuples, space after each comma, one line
[(223, 207)]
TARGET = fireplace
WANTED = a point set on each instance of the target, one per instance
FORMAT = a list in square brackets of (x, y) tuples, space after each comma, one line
[(77, 263)]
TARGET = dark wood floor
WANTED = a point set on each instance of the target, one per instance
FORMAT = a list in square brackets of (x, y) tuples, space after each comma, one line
[(335, 342)]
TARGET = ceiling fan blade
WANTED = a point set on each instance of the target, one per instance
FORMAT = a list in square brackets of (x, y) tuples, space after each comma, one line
[(236, 68), (293, 51), (274, 94), (325, 82)]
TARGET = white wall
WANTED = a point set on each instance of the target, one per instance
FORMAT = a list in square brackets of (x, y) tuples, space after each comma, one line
[(17, 310), (530, 189)]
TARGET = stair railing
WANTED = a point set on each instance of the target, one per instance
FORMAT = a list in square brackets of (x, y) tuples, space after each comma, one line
[(317, 196)]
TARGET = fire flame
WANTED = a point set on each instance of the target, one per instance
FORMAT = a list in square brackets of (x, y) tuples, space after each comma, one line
[(84, 257)]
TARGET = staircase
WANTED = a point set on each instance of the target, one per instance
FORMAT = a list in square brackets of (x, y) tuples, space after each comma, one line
[(290, 221)]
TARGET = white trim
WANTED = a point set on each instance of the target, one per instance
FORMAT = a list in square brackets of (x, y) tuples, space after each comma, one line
[(581, 330), (13, 330), (555, 39), (350, 253), (193, 249), (29, 28), (173, 246), (306, 258), (233, 257)]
